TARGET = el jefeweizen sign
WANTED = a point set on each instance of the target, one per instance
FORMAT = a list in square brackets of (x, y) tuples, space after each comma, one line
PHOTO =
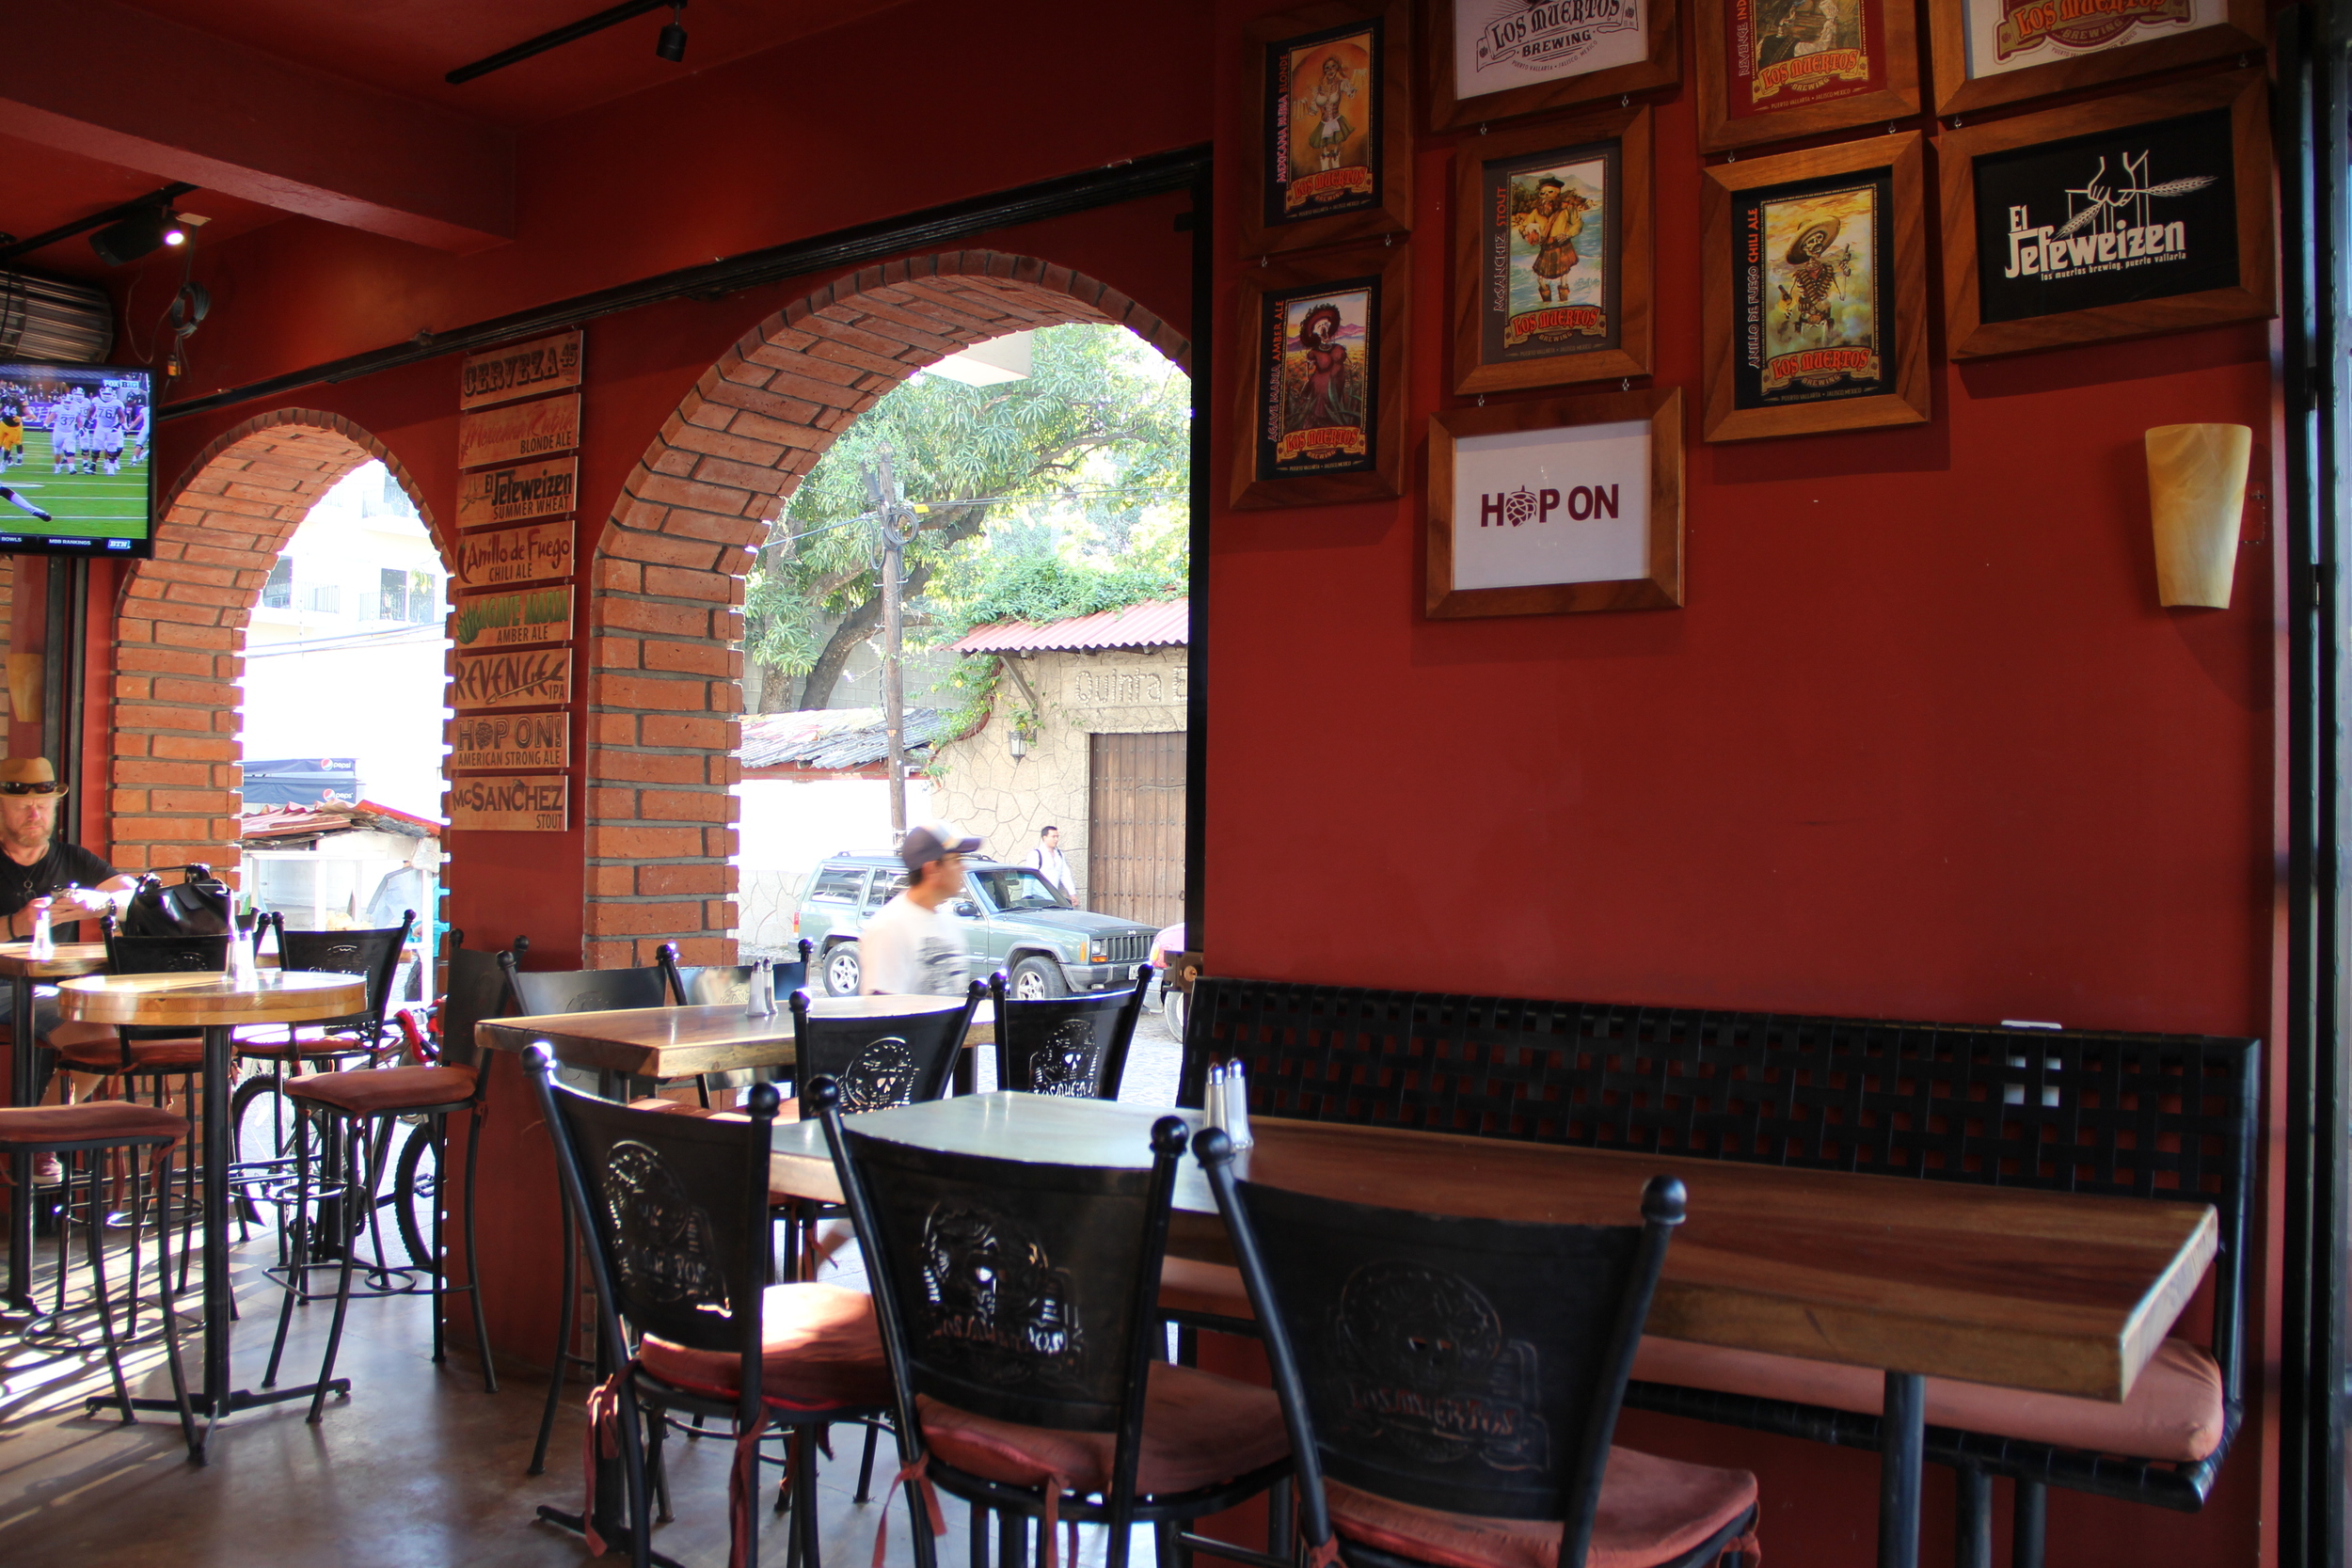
[(525, 677), (514, 555), (518, 618), (1540, 507), (520, 370), (511, 804), (512, 740), (494, 495), (524, 429)]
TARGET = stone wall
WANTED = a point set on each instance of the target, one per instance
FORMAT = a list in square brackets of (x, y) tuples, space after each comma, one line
[(1006, 799)]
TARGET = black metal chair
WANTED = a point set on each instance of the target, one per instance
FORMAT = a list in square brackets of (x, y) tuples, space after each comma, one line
[(1452, 1384), (1016, 1304), (881, 1060), (720, 985), (362, 1106), (1066, 1045), (677, 1208)]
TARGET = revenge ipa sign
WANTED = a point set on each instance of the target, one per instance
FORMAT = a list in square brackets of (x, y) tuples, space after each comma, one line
[(512, 740), (1812, 266), (525, 430), (526, 677), (520, 370), (511, 804), (514, 555)]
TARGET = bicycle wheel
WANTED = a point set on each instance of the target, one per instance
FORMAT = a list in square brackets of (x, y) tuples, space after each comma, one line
[(416, 1188), (262, 1122)]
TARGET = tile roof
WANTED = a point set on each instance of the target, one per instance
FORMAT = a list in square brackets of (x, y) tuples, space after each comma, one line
[(1159, 624), (835, 738)]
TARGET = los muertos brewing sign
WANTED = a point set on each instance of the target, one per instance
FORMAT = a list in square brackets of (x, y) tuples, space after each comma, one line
[(1500, 44), (1809, 291), (1784, 55), (1319, 375), (1323, 124), (2010, 34), (1548, 253)]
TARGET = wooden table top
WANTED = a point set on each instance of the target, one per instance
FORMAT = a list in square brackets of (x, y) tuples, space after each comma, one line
[(2030, 1290), (72, 957), (680, 1042), (194, 1000)]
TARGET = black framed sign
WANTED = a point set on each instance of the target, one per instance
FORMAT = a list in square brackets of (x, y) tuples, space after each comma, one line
[(1334, 160), (1322, 382)]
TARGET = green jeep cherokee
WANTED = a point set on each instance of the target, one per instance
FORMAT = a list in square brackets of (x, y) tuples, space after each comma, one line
[(1013, 919)]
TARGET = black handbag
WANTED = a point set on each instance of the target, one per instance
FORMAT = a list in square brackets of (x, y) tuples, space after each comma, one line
[(198, 906)]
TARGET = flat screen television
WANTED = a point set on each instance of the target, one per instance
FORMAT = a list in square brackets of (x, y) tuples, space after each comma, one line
[(76, 459)]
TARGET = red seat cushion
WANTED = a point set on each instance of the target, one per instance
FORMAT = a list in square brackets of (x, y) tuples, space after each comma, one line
[(1198, 1428), (2173, 1413), (92, 1054), (1652, 1510), (34, 1126), (1188, 1285), (381, 1091), (818, 1348)]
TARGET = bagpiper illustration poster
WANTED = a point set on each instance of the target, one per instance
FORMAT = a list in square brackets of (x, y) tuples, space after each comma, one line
[(1787, 54), (2145, 213), (1502, 45), (1318, 390), (1549, 250), (1323, 124), (1810, 283), (2010, 34)]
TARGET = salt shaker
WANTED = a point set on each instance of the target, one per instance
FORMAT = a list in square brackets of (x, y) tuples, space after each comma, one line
[(1213, 1100), (1237, 1107), (44, 940), (241, 970), (762, 1002)]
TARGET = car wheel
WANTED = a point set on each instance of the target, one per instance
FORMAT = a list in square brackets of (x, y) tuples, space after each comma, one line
[(1172, 1014), (841, 970), (1037, 979)]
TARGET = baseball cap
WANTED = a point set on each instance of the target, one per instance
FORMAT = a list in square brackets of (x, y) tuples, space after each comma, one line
[(929, 841)]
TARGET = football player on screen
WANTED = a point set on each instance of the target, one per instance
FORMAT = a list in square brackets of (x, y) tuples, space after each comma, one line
[(22, 505)]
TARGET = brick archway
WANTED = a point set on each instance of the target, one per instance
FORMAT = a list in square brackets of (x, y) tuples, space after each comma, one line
[(179, 627), (665, 598)]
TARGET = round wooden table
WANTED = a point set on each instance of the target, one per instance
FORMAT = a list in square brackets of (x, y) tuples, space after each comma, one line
[(22, 969), (211, 1002)]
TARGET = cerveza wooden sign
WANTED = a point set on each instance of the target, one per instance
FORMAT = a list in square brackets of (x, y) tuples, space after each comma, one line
[(506, 803), (514, 371), (524, 677), (512, 740), (519, 618), (514, 555), (496, 496), (525, 430)]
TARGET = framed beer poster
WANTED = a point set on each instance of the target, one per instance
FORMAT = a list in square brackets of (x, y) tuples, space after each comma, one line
[(1776, 69), (1993, 51), (1495, 59), (1553, 245), (1334, 155), (1320, 396), (1815, 291), (2148, 212)]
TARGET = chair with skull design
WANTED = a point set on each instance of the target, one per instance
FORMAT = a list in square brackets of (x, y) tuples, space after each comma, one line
[(676, 1209), (1066, 1045), (1015, 1299), (1452, 1384)]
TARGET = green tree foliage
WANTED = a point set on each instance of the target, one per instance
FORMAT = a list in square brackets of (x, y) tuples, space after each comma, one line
[(1094, 441)]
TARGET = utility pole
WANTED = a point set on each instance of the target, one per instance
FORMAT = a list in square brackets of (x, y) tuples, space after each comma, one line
[(898, 524)]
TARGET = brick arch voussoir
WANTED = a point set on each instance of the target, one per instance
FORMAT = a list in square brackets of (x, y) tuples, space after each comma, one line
[(179, 626), (666, 589)]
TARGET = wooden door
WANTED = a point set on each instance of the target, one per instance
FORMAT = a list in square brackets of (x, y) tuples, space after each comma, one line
[(1135, 827)]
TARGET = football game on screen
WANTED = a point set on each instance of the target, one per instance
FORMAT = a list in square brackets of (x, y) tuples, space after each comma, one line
[(73, 452)]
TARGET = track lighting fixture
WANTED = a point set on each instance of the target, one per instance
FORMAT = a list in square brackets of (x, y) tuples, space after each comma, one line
[(671, 46), (135, 236)]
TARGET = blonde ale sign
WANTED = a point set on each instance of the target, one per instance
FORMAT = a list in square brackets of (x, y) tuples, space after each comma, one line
[(512, 740), (525, 677), (514, 555), (520, 370), (525, 430), (524, 617), (504, 804), (496, 496)]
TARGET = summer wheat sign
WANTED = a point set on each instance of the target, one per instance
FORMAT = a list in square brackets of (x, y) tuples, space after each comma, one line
[(499, 496)]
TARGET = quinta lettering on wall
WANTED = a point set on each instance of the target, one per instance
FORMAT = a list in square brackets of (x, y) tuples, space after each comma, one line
[(517, 619), (516, 555), (527, 678), (1127, 688), (512, 740), (496, 496), (526, 430), (519, 369), (509, 804)]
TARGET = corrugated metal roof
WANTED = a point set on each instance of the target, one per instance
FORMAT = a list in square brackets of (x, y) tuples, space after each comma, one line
[(831, 737), (1160, 624), (264, 823)]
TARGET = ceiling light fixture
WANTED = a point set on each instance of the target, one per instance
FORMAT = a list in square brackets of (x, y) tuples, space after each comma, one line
[(144, 232), (671, 45), (11, 248)]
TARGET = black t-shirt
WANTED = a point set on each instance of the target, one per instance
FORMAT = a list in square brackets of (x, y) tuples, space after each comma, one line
[(63, 865)]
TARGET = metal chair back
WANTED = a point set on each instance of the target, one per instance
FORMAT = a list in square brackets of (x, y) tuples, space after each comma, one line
[(478, 987), (879, 1062), (715, 985), (169, 955), (375, 953), (1471, 1366), (1067, 1045), (590, 991)]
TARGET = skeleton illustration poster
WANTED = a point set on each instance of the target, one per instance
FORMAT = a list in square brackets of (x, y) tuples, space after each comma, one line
[(1809, 282), (1500, 44), (1549, 251), (1317, 379), (1787, 54), (2010, 34), (1323, 124), (2149, 212)]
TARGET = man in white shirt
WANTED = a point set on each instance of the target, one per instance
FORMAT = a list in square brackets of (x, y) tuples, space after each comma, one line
[(1048, 860), (913, 946)]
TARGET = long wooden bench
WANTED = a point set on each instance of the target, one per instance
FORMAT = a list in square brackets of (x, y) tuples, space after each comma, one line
[(2081, 1111)]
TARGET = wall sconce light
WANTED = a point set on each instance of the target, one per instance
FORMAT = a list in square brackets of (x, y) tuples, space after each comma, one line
[(2197, 494), (1015, 742)]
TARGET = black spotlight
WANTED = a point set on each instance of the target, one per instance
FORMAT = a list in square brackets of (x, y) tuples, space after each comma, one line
[(136, 235), (671, 45)]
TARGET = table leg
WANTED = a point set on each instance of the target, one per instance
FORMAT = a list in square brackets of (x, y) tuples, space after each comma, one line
[(218, 1294), (21, 1091), (1903, 1444)]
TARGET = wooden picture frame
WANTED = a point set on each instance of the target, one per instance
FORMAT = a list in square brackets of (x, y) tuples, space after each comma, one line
[(1961, 31), (1508, 330), (1802, 334), (1356, 57), (1296, 314), (1656, 22), (1642, 555), (1867, 76), (2045, 246)]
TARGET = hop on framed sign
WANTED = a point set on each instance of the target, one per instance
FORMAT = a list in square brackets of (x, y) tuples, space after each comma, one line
[(1553, 254), (1815, 277), (1772, 69), (1320, 394), (1334, 155), (1994, 52), (1499, 58)]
